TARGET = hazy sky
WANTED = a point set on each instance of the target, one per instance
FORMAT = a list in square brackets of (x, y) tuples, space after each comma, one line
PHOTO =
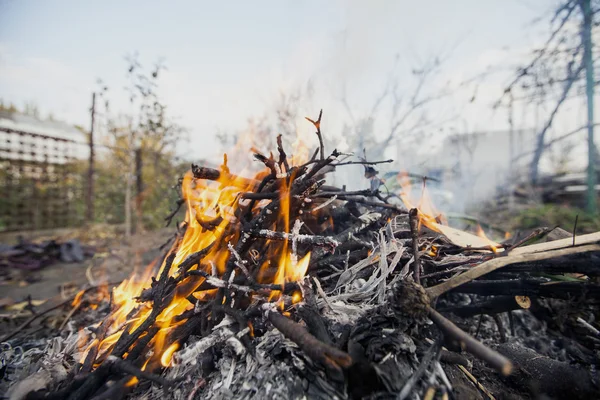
[(227, 60)]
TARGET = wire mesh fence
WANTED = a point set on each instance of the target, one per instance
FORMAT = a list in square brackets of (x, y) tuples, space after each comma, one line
[(41, 184), (44, 182)]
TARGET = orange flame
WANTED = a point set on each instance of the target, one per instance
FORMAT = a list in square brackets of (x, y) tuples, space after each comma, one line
[(165, 360), (211, 208), (77, 299), (481, 234), (428, 215)]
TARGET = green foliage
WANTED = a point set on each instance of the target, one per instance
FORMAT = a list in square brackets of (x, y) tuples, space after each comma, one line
[(149, 132), (9, 107), (551, 215)]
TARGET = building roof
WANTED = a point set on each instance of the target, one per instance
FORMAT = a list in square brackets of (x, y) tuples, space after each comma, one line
[(28, 123)]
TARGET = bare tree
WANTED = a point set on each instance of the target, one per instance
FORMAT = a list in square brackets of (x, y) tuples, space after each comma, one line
[(147, 131), (409, 111), (555, 72)]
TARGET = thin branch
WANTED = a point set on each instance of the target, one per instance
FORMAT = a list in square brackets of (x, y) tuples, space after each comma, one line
[(318, 351), (540, 138), (317, 125), (363, 162), (46, 311), (470, 344), (497, 263), (413, 219), (314, 240)]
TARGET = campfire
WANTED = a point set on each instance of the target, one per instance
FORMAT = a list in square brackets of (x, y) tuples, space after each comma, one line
[(277, 285)]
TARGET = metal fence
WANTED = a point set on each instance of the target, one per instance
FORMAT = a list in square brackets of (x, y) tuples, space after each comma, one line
[(46, 182), (41, 181)]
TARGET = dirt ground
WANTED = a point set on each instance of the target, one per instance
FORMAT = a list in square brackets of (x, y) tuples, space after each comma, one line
[(115, 259)]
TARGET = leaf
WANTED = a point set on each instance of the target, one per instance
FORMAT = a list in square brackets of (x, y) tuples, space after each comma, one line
[(21, 306), (464, 239)]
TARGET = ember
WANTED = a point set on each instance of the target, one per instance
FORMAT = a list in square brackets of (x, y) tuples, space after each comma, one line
[(278, 286)]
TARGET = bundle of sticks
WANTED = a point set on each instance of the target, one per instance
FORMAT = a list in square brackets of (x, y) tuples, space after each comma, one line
[(342, 275)]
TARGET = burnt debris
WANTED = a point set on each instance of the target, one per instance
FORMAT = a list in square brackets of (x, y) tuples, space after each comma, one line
[(278, 286)]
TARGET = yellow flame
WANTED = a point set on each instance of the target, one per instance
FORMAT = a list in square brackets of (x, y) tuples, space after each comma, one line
[(428, 215), (211, 207), (77, 298), (132, 382), (481, 234), (165, 360), (296, 297)]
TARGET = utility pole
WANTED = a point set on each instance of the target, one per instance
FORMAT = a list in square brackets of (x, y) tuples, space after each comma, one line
[(512, 176), (90, 188), (129, 181), (589, 78)]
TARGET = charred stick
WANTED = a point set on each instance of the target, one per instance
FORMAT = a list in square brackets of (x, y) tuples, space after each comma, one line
[(586, 264), (212, 174), (127, 340), (259, 196), (164, 276), (266, 215), (430, 356), (211, 224), (192, 325), (320, 164), (141, 345), (500, 327), (354, 256), (242, 322), (159, 304), (532, 287), (364, 192), (69, 315), (46, 311), (364, 162), (468, 343), (446, 271), (247, 287), (169, 217), (282, 155), (194, 259), (392, 207), (536, 234), (261, 186), (309, 313), (511, 322), (314, 156), (269, 163), (496, 305), (317, 125), (314, 240), (91, 384), (116, 390), (88, 363), (326, 355), (364, 221), (413, 220), (450, 357), (123, 366)]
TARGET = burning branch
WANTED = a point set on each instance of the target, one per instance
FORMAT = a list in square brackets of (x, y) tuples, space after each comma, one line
[(234, 277)]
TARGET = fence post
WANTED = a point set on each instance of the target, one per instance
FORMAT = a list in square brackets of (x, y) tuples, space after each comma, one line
[(139, 188), (90, 188), (138, 171)]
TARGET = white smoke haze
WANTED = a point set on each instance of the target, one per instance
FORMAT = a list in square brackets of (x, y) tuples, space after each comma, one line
[(229, 65)]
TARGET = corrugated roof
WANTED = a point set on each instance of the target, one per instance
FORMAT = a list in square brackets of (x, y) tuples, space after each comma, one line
[(27, 123)]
